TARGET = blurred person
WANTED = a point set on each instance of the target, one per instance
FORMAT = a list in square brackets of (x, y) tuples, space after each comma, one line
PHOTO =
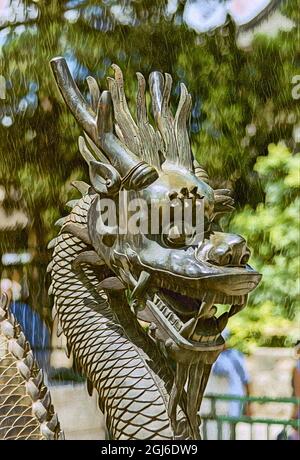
[(231, 364), (296, 378)]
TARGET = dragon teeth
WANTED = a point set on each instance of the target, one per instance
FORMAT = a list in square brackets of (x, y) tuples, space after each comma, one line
[(168, 314), (222, 321), (177, 324), (156, 299), (196, 337), (204, 338)]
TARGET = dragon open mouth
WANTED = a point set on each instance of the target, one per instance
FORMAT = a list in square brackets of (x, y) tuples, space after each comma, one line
[(192, 323), (183, 298)]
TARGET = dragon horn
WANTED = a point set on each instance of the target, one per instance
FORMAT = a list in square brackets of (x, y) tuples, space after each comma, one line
[(135, 174), (174, 131)]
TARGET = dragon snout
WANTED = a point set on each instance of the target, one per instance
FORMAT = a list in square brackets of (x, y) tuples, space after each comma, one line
[(225, 250), (226, 254), (230, 254)]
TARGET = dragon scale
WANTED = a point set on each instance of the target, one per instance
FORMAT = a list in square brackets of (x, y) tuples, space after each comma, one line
[(26, 411)]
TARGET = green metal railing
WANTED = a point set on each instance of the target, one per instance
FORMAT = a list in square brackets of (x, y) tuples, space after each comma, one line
[(218, 426)]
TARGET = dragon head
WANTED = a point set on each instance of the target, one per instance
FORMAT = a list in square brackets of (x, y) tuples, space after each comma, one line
[(165, 271), (174, 270)]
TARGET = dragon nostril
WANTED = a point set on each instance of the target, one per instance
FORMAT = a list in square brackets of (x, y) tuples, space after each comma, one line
[(226, 260), (220, 255)]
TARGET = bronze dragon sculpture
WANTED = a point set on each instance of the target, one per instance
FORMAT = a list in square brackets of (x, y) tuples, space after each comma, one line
[(138, 307)]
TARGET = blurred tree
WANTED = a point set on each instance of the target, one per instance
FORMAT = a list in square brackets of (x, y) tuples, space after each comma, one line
[(273, 234), (241, 98)]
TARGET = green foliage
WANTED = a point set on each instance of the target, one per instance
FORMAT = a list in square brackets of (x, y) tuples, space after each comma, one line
[(273, 233)]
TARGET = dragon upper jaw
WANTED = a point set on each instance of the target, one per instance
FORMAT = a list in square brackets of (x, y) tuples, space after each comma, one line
[(181, 271)]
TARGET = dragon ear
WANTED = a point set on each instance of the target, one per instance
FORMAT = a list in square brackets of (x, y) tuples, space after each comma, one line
[(104, 178)]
